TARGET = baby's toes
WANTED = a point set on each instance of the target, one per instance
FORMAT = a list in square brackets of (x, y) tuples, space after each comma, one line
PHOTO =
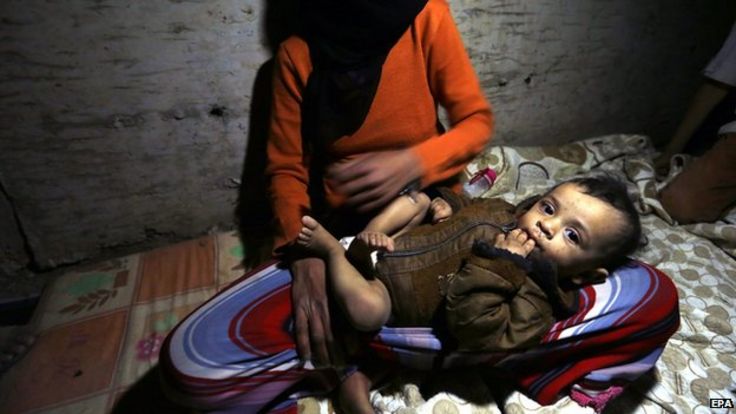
[(309, 223), (375, 240), (302, 239), (368, 239), (389, 244)]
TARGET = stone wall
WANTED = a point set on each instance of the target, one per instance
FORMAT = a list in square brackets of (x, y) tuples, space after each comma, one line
[(128, 124)]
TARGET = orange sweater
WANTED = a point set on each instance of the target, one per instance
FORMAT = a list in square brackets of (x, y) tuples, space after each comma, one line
[(428, 65)]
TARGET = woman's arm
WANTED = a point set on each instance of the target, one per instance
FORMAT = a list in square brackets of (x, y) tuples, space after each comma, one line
[(708, 96), (288, 165), (287, 170), (455, 86)]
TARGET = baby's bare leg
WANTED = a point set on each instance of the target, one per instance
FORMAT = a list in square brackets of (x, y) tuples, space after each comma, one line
[(354, 394), (419, 210), (366, 302), (400, 215), (403, 213)]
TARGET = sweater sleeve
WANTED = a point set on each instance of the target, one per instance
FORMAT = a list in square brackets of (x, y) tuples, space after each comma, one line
[(288, 165), (485, 311), (455, 86)]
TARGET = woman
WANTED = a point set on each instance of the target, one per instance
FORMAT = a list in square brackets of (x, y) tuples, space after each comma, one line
[(354, 121)]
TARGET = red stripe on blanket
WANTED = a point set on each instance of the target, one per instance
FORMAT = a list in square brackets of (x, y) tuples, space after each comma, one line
[(262, 327), (647, 326)]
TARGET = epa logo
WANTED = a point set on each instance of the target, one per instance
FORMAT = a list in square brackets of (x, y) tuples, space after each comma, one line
[(721, 403)]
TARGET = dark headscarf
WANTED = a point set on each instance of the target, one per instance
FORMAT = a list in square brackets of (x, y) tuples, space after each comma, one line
[(348, 43)]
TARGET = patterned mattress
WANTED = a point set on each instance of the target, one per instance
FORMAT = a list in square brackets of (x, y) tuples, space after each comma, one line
[(101, 326)]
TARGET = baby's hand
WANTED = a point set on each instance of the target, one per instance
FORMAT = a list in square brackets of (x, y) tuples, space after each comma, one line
[(440, 210), (516, 241), (377, 240)]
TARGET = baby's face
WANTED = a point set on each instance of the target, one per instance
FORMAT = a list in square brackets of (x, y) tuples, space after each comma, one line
[(570, 227)]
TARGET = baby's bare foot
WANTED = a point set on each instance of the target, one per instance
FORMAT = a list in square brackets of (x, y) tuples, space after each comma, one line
[(377, 240), (316, 238)]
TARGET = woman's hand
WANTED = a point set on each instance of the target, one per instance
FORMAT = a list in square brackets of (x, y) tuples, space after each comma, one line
[(312, 330), (371, 180)]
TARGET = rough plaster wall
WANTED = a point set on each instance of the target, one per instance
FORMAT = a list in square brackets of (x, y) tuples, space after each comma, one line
[(563, 70), (125, 124), (13, 256), (126, 121)]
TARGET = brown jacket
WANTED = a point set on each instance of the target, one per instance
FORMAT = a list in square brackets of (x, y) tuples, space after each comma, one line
[(489, 299)]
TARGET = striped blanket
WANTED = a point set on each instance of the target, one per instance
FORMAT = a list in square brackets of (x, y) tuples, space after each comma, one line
[(236, 353)]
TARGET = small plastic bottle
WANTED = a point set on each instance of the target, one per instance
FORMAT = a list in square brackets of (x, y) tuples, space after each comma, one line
[(480, 182)]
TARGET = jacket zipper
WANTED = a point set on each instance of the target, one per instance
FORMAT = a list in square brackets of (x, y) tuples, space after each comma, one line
[(505, 228)]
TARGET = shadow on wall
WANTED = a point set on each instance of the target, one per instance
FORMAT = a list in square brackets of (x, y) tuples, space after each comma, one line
[(253, 210)]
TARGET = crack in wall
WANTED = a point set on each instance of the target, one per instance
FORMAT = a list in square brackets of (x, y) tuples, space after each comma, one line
[(27, 249)]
